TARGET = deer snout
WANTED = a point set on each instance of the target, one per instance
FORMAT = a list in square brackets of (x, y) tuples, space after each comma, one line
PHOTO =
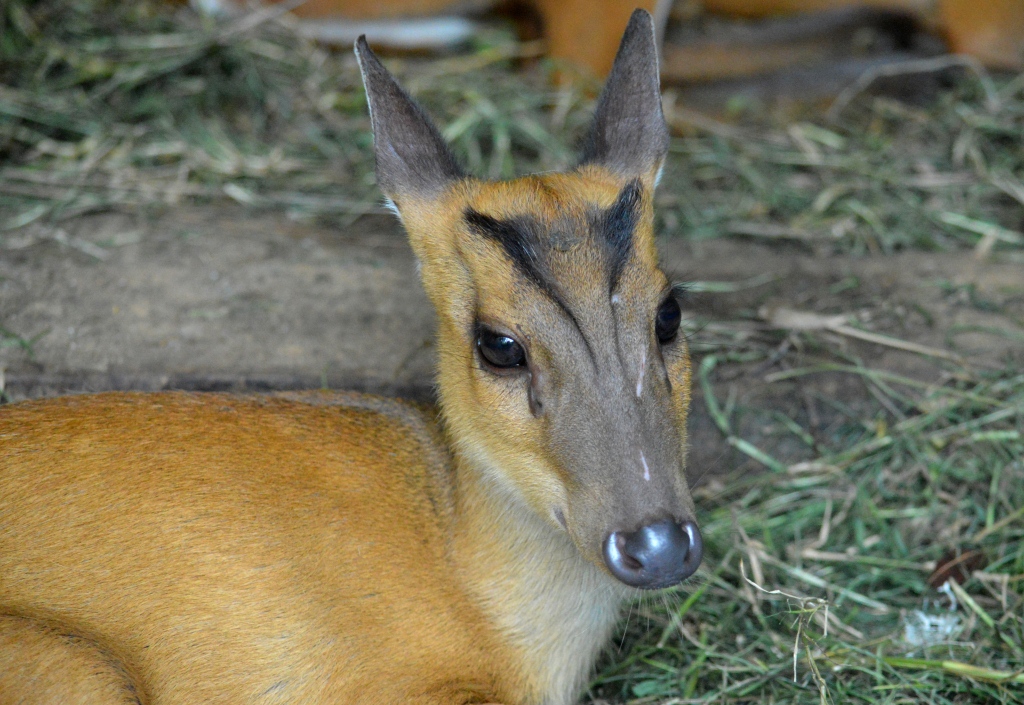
[(654, 556)]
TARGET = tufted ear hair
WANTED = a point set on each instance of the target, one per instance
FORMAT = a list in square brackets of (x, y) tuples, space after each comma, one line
[(629, 135), (412, 157)]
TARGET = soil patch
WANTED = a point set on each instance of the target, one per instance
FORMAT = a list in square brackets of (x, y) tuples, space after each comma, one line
[(215, 298)]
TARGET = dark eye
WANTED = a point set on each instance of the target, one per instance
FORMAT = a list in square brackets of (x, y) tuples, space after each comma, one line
[(499, 350), (666, 322)]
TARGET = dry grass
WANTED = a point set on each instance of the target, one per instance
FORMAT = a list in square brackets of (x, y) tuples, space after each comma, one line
[(819, 571), (125, 105)]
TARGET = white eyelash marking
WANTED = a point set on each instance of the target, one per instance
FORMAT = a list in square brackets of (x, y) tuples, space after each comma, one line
[(647, 472), (640, 379)]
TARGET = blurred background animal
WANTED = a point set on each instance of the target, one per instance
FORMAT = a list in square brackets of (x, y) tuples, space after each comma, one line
[(767, 34)]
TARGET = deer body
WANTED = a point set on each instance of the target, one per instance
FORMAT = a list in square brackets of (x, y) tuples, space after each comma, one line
[(266, 586), (320, 548)]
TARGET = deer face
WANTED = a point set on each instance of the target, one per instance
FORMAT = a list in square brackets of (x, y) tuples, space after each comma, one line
[(563, 375)]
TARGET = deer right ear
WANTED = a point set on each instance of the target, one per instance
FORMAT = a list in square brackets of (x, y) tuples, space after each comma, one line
[(411, 155)]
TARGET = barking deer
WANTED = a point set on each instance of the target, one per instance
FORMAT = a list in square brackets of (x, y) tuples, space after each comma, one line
[(339, 548)]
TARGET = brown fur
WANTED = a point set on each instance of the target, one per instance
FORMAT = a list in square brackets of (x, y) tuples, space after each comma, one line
[(261, 564), (339, 548)]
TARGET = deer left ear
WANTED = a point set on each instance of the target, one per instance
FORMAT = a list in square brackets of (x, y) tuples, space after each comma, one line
[(411, 155), (629, 135)]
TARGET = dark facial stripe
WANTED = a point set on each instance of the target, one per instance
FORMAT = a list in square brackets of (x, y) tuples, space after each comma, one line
[(521, 247), (619, 223), (517, 241)]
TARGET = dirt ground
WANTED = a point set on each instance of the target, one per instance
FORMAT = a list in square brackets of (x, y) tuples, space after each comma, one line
[(214, 298)]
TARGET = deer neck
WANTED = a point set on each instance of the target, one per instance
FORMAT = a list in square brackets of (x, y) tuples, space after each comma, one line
[(554, 609)]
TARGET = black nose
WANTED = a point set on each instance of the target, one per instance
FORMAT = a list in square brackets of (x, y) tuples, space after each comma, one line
[(655, 556)]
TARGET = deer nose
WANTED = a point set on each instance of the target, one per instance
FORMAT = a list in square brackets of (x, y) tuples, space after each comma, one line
[(658, 555)]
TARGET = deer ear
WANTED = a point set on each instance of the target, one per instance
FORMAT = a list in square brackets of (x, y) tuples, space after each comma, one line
[(629, 135), (411, 155)]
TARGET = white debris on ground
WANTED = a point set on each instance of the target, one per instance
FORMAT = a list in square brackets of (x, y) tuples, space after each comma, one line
[(922, 629)]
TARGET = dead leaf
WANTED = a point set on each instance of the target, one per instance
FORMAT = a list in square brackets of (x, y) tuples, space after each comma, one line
[(956, 565)]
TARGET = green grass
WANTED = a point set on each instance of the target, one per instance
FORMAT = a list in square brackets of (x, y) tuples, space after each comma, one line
[(114, 105), (859, 529), (106, 105), (10, 339)]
